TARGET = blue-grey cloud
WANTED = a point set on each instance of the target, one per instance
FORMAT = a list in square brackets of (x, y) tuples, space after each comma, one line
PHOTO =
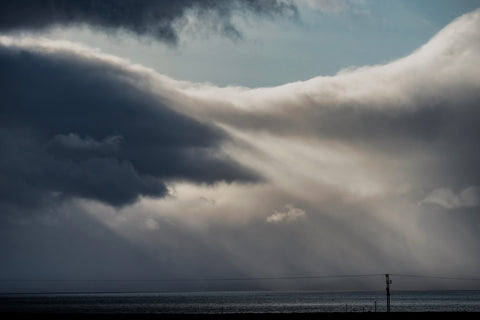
[(76, 128), (146, 17)]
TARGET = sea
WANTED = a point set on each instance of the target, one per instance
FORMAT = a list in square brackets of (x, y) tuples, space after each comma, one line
[(241, 302)]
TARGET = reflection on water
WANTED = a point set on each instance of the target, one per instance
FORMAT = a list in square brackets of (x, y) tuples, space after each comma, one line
[(242, 302)]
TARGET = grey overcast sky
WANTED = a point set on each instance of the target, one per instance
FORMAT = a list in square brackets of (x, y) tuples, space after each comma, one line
[(144, 140)]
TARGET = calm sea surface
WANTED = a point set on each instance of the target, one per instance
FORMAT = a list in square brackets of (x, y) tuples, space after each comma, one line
[(242, 302)]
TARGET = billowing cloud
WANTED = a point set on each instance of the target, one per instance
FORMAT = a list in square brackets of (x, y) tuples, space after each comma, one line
[(74, 127), (358, 151), (159, 19), (290, 214), (446, 198), (151, 224), (376, 127)]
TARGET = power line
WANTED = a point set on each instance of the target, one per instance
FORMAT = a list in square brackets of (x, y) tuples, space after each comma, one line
[(434, 277), (198, 279), (306, 277)]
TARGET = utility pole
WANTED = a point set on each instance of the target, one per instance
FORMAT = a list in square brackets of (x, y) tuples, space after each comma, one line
[(389, 282)]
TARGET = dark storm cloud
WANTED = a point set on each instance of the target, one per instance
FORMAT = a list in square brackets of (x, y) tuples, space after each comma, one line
[(148, 17), (77, 128)]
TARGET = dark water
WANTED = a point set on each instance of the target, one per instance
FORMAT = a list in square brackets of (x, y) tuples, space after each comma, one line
[(242, 302)]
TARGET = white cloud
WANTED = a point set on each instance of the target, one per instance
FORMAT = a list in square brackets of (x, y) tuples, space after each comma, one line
[(448, 199), (151, 224), (290, 214)]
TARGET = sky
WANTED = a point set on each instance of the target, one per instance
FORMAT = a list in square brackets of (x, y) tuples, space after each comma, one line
[(144, 142)]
